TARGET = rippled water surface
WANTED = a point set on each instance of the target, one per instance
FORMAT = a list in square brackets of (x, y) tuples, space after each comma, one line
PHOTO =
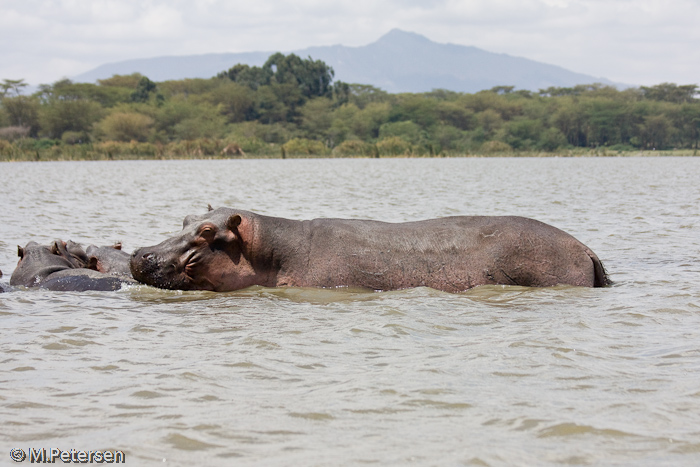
[(492, 376)]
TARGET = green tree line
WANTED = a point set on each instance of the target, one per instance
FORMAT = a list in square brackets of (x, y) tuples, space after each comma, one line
[(292, 106)]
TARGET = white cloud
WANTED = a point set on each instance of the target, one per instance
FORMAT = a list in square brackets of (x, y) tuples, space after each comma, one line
[(638, 42), (161, 22), (110, 11)]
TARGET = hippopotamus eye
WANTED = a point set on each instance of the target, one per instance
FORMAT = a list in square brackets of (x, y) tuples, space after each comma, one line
[(208, 233)]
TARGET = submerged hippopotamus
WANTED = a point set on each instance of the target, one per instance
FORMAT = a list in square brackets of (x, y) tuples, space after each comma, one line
[(71, 251), (59, 266), (109, 260), (229, 249)]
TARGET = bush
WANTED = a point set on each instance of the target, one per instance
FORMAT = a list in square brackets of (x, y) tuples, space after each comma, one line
[(622, 147), (12, 133), (59, 116), (522, 133), (210, 147), (202, 126), (112, 148), (305, 146), (393, 146), (354, 147), (74, 137), (6, 148), (552, 139), (142, 149), (407, 130), (491, 147), (126, 126), (44, 143), (449, 137)]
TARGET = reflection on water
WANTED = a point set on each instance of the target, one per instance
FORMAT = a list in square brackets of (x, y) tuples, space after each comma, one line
[(294, 376)]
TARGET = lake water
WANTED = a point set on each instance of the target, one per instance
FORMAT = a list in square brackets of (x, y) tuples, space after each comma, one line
[(492, 376)]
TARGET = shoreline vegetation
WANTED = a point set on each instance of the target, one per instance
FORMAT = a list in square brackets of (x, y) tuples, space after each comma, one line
[(291, 108), (193, 151)]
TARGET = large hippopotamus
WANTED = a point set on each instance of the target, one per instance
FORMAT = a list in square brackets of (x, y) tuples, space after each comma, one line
[(60, 266), (229, 249)]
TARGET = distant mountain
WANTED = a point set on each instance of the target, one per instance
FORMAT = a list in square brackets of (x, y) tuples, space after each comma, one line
[(175, 67), (398, 62)]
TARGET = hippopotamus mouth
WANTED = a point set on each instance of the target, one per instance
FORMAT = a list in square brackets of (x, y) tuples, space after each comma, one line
[(151, 269)]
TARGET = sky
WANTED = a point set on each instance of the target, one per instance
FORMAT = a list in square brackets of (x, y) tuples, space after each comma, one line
[(636, 42)]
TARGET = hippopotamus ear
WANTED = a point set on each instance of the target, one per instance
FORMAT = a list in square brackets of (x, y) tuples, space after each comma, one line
[(20, 251), (117, 246), (54, 248), (232, 227), (209, 208), (233, 222), (92, 263)]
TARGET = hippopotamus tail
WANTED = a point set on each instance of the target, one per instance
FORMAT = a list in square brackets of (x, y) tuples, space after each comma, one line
[(600, 278)]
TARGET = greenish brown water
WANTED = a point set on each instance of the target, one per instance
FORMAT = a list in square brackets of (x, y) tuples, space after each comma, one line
[(492, 376)]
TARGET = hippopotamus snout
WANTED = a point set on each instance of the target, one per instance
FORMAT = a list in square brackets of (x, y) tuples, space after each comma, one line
[(149, 267), (144, 264)]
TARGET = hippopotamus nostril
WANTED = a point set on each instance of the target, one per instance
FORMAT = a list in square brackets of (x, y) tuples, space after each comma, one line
[(141, 255), (145, 266)]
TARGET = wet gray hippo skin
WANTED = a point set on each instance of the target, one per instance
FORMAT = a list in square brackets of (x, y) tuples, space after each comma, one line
[(3, 287), (36, 263), (109, 260), (229, 249), (49, 267), (71, 251)]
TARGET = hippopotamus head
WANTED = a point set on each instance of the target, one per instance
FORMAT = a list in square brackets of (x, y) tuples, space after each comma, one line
[(109, 260), (36, 262), (212, 252), (71, 251)]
